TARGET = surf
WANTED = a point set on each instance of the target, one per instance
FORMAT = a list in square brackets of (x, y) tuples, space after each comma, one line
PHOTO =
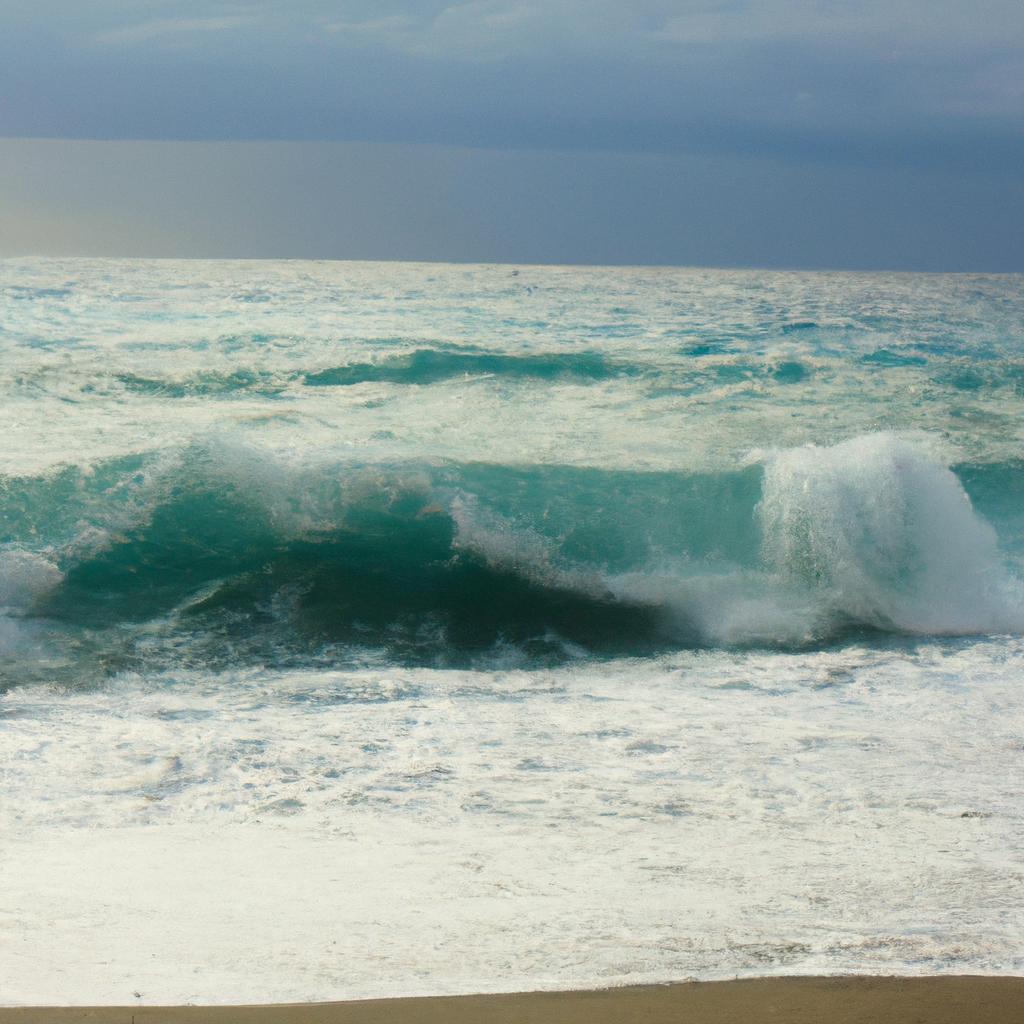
[(220, 554)]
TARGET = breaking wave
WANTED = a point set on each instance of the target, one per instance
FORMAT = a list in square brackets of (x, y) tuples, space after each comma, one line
[(220, 554)]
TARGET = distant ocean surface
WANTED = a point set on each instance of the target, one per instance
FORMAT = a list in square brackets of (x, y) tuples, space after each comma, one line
[(373, 629)]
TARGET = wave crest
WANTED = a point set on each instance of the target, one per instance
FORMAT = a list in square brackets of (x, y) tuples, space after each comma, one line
[(221, 554), (888, 536)]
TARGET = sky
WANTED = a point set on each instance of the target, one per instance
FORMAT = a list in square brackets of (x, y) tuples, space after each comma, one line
[(820, 133)]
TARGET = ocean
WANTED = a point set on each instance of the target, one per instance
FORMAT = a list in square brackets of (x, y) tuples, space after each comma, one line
[(381, 629)]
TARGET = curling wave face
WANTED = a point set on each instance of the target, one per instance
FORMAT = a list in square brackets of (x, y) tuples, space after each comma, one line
[(221, 554)]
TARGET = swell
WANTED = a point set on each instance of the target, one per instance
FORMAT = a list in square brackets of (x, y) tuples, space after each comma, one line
[(222, 555), (429, 366), (420, 366)]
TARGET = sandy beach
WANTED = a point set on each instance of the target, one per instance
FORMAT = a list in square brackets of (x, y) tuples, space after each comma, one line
[(844, 1000)]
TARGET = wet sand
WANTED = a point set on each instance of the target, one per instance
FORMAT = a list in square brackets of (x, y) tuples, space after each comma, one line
[(846, 1000)]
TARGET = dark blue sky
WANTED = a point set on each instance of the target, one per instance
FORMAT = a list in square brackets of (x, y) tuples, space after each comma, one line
[(828, 109)]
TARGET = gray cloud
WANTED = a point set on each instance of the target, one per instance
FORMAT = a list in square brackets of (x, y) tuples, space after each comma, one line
[(481, 29), (162, 28), (861, 102), (906, 81)]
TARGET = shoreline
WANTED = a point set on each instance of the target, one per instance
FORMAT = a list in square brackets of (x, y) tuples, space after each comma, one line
[(844, 999)]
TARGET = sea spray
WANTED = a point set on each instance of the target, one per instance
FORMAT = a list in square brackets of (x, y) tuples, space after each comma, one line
[(888, 536), (224, 553)]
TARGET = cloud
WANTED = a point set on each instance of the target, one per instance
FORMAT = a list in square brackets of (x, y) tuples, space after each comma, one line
[(162, 28), (486, 30), (500, 29), (994, 89), (916, 80)]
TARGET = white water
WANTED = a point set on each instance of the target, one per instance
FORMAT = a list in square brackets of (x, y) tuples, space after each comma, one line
[(74, 330), (261, 834), (886, 530), (407, 832)]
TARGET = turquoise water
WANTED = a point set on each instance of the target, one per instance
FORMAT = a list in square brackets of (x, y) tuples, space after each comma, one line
[(320, 464), (255, 499)]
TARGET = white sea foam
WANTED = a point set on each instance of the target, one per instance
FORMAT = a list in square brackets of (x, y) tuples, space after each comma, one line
[(25, 577), (888, 534), (318, 835), (875, 531), (102, 371)]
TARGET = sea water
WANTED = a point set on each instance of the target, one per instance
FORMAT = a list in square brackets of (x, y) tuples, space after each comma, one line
[(376, 629)]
